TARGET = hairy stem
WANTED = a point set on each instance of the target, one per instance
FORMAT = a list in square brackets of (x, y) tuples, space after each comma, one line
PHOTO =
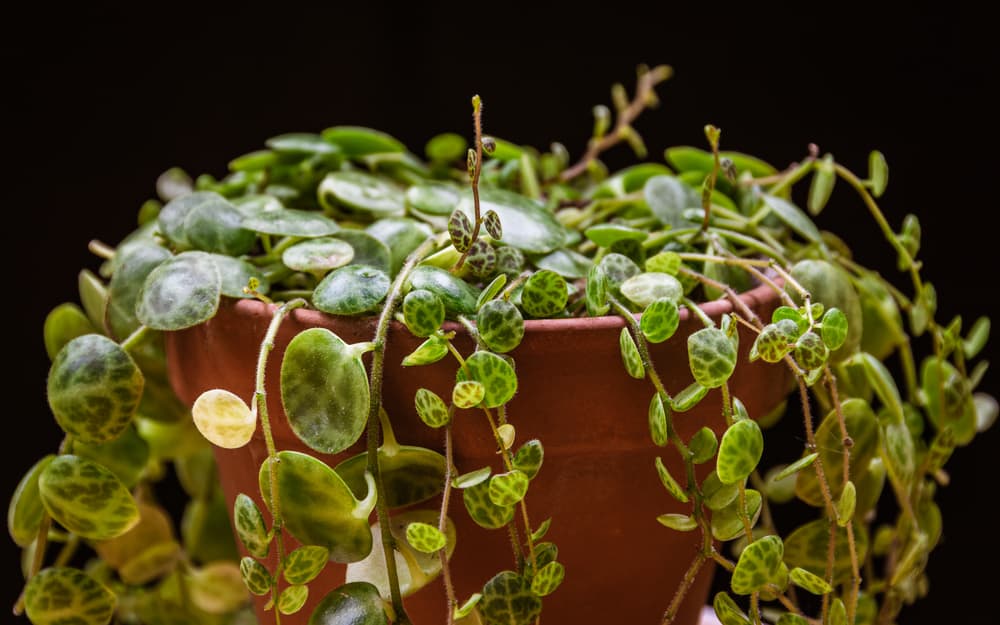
[(682, 590), (449, 588), (477, 120)]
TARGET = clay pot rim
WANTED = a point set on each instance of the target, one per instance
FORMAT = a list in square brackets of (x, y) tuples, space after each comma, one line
[(715, 309)]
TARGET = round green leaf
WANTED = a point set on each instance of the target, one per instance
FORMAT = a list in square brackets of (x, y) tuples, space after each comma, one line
[(830, 286), (677, 522), (496, 375), (324, 390), (249, 524), (862, 427), (459, 296), (24, 514), (596, 293), (834, 330), (774, 341), (292, 598), (664, 262), (65, 323), (547, 579), (813, 583), (605, 235), (667, 198), (528, 458), (460, 231), (806, 547), (425, 538), (94, 388), (739, 452), (467, 394), (491, 221), (289, 222), (355, 141), (401, 236), (727, 522), (433, 198), (810, 351), (645, 288), (527, 225), (181, 292), (500, 325), (481, 508), (255, 576), (318, 255), (630, 355), (544, 294), (506, 489), (712, 357), (703, 445), (431, 409), (846, 504), (217, 587), (658, 424), (838, 613), (305, 563), (224, 419), (482, 259), (445, 147), (508, 600), (144, 553), (727, 611), (355, 603), (618, 268), (301, 143), (206, 221), (423, 312), (660, 319), (236, 275), (758, 565), (566, 263), (410, 474), (318, 507), (351, 290), (62, 595), (86, 498), (362, 192), (948, 399)]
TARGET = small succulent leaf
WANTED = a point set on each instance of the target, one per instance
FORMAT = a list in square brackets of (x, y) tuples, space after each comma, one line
[(658, 420), (510, 261), (630, 355), (837, 614), (60, 595), (758, 565), (878, 172), (255, 576), (669, 482), (862, 427), (678, 522), (898, 452), (481, 508), (664, 262), (423, 312), (500, 325), (292, 598), (645, 288), (86, 498), (544, 294), (470, 479), (431, 409), (496, 375), (703, 445), (787, 312), (506, 489), (508, 600), (63, 324), (459, 296), (727, 611), (467, 394), (460, 231), (354, 603), (547, 579), (506, 432), (543, 529), (617, 268), (461, 611), (948, 399), (527, 224), (133, 265), (24, 514), (711, 356), (528, 458), (425, 537), (771, 345), (667, 198), (223, 418), (806, 547), (689, 397), (739, 452), (605, 235), (811, 582), (481, 260), (779, 490), (795, 467), (361, 192), (324, 390), (823, 180), (318, 255), (433, 198), (846, 504), (596, 293), (489, 292), (660, 320), (566, 263), (93, 297), (305, 563), (987, 410), (716, 494), (291, 223), (727, 522), (790, 618), (493, 226), (976, 339), (834, 330), (430, 351), (883, 384), (793, 217), (318, 507), (351, 290), (94, 388), (180, 292), (250, 527)]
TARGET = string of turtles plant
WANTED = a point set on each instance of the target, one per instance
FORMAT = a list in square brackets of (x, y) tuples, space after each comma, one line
[(350, 223)]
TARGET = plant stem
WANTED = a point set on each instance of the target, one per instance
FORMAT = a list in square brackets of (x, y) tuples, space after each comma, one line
[(135, 339), (449, 588), (374, 426), (682, 590), (640, 342), (41, 541), (477, 120), (645, 84)]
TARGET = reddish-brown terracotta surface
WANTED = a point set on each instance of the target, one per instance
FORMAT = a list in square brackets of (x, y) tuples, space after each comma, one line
[(598, 482)]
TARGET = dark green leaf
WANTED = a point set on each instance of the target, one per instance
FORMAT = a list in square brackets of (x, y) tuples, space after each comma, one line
[(61, 595), (355, 603), (86, 498), (351, 290), (181, 292), (508, 600)]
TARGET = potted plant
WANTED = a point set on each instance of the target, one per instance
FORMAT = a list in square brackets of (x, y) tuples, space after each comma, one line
[(575, 354)]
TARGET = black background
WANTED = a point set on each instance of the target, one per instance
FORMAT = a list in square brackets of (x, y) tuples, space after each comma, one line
[(100, 101)]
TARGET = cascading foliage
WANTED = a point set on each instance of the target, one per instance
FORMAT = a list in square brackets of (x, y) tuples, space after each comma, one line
[(351, 223)]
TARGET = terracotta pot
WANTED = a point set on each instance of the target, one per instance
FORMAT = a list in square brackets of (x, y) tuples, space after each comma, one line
[(598, 482)]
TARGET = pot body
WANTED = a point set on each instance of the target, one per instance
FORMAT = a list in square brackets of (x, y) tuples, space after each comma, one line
[(598, 483)]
